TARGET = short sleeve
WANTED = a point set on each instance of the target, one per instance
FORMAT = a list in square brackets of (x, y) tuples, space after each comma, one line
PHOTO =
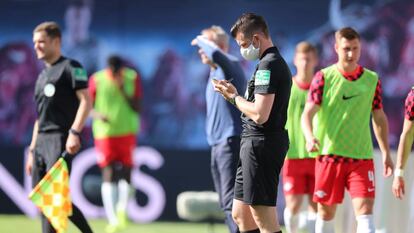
[(265, 78), (78, 75), (409, 106), (92, 87), (138, 87), (316, 89), (377, 102)]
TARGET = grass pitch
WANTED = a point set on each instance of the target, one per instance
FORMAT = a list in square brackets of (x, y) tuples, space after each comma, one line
[(23, 224)]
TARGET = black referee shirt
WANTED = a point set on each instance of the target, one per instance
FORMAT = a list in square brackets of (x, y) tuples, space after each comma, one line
[(55, 94), (272, 76)]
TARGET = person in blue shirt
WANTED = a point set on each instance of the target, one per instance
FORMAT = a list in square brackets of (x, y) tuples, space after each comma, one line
[(223, 123)]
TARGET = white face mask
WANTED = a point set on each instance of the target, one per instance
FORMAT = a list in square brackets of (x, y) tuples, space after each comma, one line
[(250, 53)]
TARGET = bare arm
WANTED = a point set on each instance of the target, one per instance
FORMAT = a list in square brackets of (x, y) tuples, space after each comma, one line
[(85, 105), (380, 126), (312, 144), (406, 142), (404, 149), (29, 161), (258, 111), (133, 102)]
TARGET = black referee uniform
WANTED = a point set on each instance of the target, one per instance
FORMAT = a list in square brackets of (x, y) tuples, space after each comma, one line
[(263, 147), (57, 105)]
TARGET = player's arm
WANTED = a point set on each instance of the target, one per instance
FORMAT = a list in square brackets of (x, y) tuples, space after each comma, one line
[(380, 127), (133, 101), (29, 161), (309, 112), (311, 108), (404, 147)]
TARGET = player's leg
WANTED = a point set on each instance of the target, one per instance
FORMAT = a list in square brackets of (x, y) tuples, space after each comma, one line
[(294, 188), (312, 206), (312, 215), (124, 151), (324, 221), (123, 178), (361, 183), (108, 192), (290, 214), (108, 187), (330, 181)]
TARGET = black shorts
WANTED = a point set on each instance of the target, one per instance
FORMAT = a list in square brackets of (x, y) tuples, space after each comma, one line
[(261, 160), (48, 149)]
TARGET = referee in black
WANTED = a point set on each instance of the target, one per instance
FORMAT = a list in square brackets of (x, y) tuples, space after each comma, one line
[(63, 104), (264, 140)]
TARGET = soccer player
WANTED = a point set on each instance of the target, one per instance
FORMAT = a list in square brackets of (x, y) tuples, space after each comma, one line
[(404, 148), (298, 183), (344, 95), (223, 120), (63, 104), (116, 93), (264, 140)]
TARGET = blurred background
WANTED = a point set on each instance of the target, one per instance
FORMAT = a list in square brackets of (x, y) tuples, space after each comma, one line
[(154, 37)]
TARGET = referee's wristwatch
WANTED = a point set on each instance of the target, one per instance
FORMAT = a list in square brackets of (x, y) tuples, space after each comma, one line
[(232, 100), (75, 132)]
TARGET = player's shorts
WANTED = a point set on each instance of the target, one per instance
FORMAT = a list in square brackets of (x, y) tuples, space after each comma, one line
[(115, 149), (335, 173), (299, 176), (257, 177)]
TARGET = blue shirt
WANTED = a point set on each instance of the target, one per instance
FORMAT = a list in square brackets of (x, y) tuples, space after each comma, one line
[(223, 119)]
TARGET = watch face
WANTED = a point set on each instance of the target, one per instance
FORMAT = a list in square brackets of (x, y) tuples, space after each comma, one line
[(49, 90)]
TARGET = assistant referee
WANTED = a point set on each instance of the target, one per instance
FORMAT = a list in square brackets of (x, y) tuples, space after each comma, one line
[(63, 104)]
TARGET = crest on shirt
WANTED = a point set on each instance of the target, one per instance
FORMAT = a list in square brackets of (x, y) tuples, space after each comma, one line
[(262, 78), (80, 74), (49, 90)]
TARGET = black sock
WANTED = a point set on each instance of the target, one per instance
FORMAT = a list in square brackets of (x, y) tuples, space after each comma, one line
[(251, 231), (79, 220)]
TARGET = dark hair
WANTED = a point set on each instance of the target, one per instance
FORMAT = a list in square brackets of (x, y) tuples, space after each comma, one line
[(248, 24), (347, 33), (115, 63), (52, 29)]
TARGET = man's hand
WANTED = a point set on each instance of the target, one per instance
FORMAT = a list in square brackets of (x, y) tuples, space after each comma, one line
[(398, 187), (312, 145), (73, 144), (388, 165), (29, 163), (225, 88)]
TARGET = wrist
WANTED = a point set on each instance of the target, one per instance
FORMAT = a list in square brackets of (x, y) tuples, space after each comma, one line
[(399, 172), (74, 132), (232, 99)]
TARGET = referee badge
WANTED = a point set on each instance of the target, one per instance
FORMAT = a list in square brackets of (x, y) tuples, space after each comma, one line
[(49, 90)]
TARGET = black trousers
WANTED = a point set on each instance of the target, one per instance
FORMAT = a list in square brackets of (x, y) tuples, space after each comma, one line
[(49, 147), (224, 157)]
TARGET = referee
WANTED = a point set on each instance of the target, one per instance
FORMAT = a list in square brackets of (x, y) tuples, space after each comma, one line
[(63, 104), (264, 140)]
